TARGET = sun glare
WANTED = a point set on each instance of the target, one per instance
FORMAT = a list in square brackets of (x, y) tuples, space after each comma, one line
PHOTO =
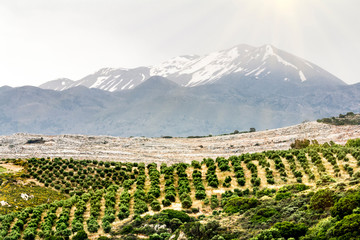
[(284, 7)]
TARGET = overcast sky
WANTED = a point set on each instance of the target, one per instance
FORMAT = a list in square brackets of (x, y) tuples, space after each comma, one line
[(42, 40)]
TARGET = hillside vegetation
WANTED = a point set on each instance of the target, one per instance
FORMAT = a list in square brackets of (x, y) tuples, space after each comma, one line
[(349, 118), (307, 193)]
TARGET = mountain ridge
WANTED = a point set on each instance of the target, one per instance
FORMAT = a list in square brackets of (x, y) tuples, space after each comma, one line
[(264, 62), (175, 110)]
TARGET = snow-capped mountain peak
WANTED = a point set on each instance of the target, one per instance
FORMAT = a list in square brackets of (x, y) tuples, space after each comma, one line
[(246, 62)]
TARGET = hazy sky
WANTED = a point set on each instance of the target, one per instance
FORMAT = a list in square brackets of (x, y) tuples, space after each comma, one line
[(42, 40)]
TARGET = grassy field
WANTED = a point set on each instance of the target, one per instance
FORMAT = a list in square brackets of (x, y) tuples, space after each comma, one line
[(66, 198)]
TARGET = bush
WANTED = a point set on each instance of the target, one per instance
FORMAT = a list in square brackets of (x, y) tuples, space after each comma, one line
[(322, 200), (346, 205), (93, 225), (319, 231), (175, 223), (268, 234), (263, 214), (103, 238), (214, 203), (195, 164), (289, 229), (80, 235), (170, 214), (127, 229), (155, 236), (155, 205), (347, 228), (282, 195), (238, 204), (166, 202), (299, 144), (106, 226), (353, 143)]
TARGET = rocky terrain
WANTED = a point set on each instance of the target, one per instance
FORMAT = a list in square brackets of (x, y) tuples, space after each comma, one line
[(168, 150)]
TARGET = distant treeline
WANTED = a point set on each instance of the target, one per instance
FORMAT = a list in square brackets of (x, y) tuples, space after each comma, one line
[(349, 118), (225, 134)]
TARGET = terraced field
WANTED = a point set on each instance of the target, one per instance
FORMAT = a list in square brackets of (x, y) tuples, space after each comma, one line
[(100, 196)]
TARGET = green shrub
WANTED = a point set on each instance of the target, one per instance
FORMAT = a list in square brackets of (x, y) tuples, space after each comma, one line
[(322, 200), (170, 214), (268, 234), (155, 236), (80, 235), (214, 203), (353, 143), (282, 195), (238, 204), (319, 231), (300, 143), (106, 226), (155, 205), (347, 228), (127, 229), (175, 223), (93, 225), (166, 202), (103, 238), (289, 229), (346, 205), (263, 214)]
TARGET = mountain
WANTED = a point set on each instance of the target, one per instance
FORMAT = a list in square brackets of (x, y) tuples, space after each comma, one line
[(233, 89), (159, 107), (244, 61)]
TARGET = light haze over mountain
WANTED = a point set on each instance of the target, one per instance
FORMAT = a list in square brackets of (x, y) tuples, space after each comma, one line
[(233, 89)]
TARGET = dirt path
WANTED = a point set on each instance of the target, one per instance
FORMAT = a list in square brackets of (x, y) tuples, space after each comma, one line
[(328, 166), (305, 177), (43, 214), (261, 175), (290, 175), (162, 187), (247, 173), (72, 215), (11, 168), (87, 216), (189, 172), (117, 200), (57, 213), (12, 225), (313, 168), (276, 173), (101, 215), (352, 163), (25, 226), (131, 203)]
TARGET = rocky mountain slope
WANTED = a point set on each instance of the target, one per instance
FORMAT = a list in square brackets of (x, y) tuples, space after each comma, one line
[(159, 107), (169, 150)]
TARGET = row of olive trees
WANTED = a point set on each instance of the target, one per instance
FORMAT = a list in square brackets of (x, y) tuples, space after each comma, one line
[(140, 205), (154, 191), (238, 170), (183, 185), (211, 176)]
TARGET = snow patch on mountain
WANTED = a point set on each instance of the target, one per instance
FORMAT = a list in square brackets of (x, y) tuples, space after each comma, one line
[(302, 76), (265, 62), (270, 52), (99, 81)]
